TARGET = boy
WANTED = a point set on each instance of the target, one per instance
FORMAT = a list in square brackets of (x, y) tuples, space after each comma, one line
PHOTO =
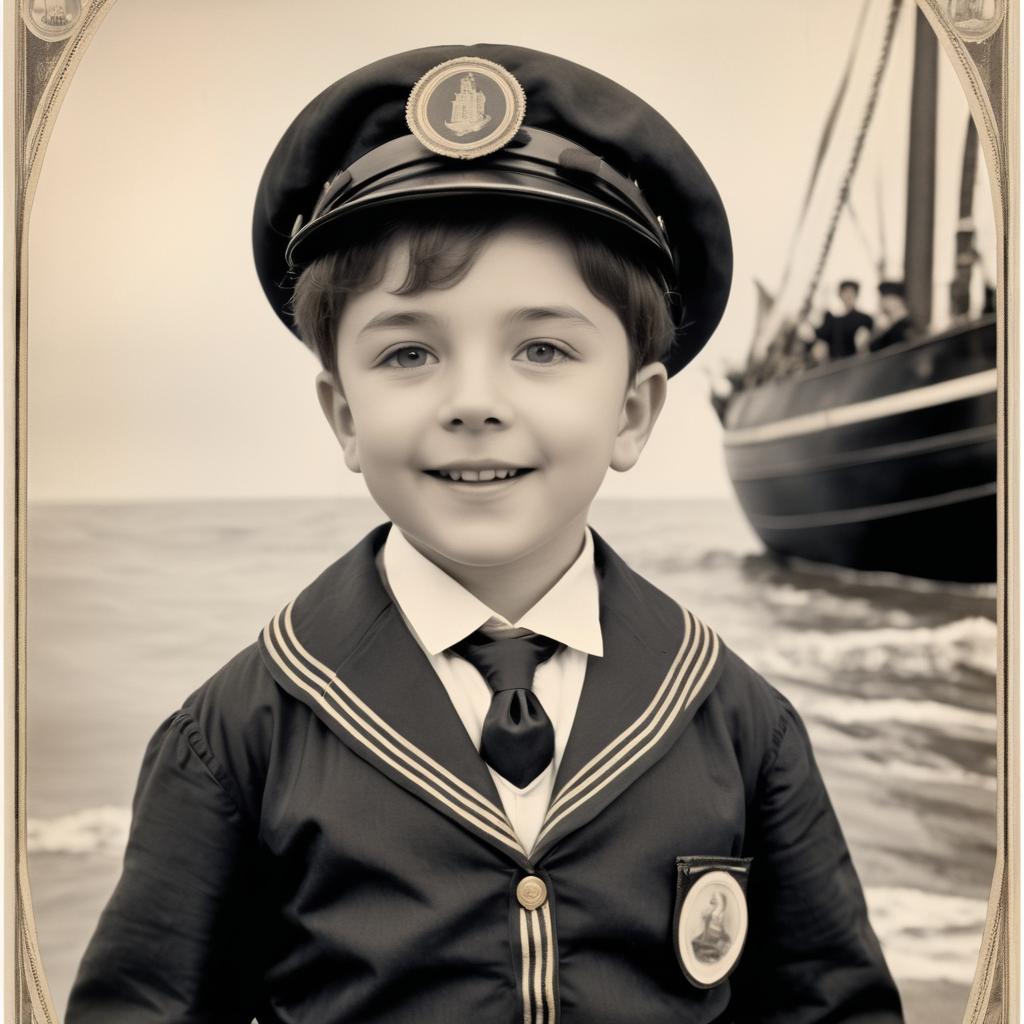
[(896, 324), (843, 334), (479, 770)]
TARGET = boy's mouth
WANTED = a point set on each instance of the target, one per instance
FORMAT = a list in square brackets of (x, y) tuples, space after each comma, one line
[(481, 475)]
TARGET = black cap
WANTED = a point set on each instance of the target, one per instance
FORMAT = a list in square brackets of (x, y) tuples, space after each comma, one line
[(893, 288), (448, 121)]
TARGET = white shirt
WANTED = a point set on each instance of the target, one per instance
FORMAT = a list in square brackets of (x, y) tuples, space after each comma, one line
[(440, 612)]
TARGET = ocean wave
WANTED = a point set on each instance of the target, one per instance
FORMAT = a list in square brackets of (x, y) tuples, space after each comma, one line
[(894, 581), (826, 605), (927, 936), (93, 830), (934, 771), (966, 646), (842, 710)]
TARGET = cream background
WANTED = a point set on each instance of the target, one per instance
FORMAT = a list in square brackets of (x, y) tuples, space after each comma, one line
[(156, 368)]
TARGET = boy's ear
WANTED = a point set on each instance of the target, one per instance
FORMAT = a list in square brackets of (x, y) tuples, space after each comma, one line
[(640, 409), (339, 416)]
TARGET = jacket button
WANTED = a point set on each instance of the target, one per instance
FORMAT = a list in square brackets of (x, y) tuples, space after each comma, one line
[(531, 892)]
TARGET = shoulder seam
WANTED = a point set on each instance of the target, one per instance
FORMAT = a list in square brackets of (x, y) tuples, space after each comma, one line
[(198, 744), (778, 733)]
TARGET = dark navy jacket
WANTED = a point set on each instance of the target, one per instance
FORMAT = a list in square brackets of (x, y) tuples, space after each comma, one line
[(315, 839)]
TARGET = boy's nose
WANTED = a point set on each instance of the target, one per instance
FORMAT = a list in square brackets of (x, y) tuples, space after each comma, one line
[(474, 403)]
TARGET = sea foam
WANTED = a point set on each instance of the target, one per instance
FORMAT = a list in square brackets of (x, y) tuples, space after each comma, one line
[(92, 830), (963, 647), (927, 936)]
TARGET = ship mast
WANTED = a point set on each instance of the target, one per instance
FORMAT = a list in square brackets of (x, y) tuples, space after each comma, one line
[(918, 255), (960, 289)]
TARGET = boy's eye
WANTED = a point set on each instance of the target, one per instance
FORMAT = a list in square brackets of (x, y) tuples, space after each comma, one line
[(409, 357), (543, 352)]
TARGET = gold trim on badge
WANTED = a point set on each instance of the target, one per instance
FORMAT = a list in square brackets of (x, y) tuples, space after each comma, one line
[(481, 109)]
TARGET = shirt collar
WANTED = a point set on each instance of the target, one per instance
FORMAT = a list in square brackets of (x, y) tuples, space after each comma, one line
[(440, 611)]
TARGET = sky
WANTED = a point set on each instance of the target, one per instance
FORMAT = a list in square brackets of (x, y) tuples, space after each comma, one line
[(157, 369)]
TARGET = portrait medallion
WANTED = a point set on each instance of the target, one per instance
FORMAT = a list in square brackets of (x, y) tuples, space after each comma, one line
[(711, 918), (51, 20)]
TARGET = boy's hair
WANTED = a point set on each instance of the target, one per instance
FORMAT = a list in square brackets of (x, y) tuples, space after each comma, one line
[(442, 247)]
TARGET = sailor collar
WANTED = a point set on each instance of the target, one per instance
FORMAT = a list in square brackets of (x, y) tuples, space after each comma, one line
[(343, 648), (440, 611)]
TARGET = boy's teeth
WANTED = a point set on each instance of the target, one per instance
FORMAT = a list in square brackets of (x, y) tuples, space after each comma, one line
[(479, 476)]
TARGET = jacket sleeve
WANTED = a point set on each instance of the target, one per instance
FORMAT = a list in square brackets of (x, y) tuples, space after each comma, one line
[(173, 944), (811, 955)]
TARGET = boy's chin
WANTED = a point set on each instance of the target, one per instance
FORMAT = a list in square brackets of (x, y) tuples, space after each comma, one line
[(475, 548)]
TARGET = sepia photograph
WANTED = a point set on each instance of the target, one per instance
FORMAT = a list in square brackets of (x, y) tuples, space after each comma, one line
[(510, 510)]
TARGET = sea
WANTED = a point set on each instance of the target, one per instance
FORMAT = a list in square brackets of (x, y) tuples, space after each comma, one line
[(133, 606)]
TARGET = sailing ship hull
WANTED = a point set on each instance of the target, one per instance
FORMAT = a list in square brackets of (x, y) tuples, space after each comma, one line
[(884, 461)]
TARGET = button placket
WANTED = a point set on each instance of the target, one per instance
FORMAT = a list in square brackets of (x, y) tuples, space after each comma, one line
[(533, 928)]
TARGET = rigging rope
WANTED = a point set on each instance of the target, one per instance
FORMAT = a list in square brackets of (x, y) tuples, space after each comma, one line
[(861, 233), (823, 144), (883, 246), (844, 190)]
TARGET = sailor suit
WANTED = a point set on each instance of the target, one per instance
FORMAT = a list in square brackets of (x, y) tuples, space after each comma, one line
[(840, 332), (440, 612), (316, 839)]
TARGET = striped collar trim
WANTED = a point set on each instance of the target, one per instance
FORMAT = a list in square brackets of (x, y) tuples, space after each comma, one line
[(325, 690), (684, 682)]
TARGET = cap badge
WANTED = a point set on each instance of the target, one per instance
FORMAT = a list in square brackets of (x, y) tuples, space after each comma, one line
[(711, 917), (465, 108)]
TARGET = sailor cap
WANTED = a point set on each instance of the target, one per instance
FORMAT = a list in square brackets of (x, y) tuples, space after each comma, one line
[(489, 123)]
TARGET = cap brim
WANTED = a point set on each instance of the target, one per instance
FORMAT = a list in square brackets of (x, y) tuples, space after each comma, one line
[(330, 230)]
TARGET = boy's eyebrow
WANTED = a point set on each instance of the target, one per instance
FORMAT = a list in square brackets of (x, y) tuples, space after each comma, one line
[(399, 319), (528, 314), (525, 314)]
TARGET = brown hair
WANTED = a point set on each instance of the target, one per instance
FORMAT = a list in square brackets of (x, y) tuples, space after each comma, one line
[(443, 248)]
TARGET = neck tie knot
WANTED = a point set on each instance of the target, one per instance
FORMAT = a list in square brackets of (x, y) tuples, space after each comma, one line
[(507, 663)]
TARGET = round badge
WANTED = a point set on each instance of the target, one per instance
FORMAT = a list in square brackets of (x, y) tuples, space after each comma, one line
[(51, 20), (712, 928), (975, 20), (466, 107)]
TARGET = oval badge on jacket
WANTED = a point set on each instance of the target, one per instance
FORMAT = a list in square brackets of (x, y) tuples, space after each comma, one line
[(711, 916)]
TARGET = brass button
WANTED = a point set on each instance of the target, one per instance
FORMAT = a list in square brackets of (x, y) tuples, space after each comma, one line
[(532, 892)]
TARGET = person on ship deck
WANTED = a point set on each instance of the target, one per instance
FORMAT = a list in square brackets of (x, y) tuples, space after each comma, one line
[(895, 322)]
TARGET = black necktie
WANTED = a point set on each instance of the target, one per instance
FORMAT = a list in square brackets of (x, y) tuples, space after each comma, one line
[(517, 741)]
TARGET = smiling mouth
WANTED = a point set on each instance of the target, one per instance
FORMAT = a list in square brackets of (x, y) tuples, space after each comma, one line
[(479, 476)]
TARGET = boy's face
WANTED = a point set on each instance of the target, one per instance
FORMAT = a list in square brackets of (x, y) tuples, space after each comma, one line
[(848, 297), (892, 305), (518, 367)]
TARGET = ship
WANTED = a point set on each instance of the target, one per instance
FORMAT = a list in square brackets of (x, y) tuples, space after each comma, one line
[(468, 104), (882, 461)]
